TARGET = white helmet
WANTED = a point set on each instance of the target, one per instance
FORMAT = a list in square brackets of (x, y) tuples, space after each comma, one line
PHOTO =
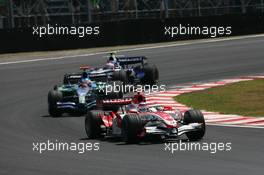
[(112, 57), (152, 109)]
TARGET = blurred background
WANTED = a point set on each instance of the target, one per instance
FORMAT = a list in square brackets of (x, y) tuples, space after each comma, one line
[(26, 13), (121, 22)]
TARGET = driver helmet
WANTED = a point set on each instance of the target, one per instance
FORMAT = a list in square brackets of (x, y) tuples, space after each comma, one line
[(142, 107), (160, 108), (84, 75), (112, 58), (85, 79), (132, 108), (153, 109)]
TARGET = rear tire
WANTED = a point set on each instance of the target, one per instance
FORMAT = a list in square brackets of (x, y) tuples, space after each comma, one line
[(151, 75), (194, 116), (156, 73), (132, 125), (93, 122), (54, 96), (120, 76)]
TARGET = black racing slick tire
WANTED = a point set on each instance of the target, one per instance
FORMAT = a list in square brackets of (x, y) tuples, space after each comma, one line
[(54, 96), (195, 116), (156, 73), (132, 125), (120, 76), (93, 124), (151, 75)]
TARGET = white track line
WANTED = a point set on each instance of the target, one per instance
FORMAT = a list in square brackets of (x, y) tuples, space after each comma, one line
[(225, 120), (256, 124), (136, 49), (244, 121), (217, 116), (160, 98), (237, 126), (209, 85), (160, 101), (193, 89), (166, 95), (237, 80)]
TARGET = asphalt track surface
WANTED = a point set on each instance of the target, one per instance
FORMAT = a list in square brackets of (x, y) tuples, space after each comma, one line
[(24, 118)]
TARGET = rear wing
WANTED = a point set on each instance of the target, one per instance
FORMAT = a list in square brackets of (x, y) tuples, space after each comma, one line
[(101, 76), (131, 60), (121, 102), (84, 68), (74, 78)]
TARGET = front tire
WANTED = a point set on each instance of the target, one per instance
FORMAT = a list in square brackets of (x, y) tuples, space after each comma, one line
[(54, 96), (132, 125), (194, 116)]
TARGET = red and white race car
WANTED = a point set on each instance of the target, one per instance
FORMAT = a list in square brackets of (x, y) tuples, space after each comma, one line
[(135, 120)]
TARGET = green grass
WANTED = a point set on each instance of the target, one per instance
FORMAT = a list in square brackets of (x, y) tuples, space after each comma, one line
[(242, 98)]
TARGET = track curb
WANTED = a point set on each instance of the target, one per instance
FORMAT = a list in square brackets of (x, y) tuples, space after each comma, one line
[(214, 118)]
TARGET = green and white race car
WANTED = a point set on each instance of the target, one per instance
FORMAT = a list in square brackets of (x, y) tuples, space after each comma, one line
[(79, 98)]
